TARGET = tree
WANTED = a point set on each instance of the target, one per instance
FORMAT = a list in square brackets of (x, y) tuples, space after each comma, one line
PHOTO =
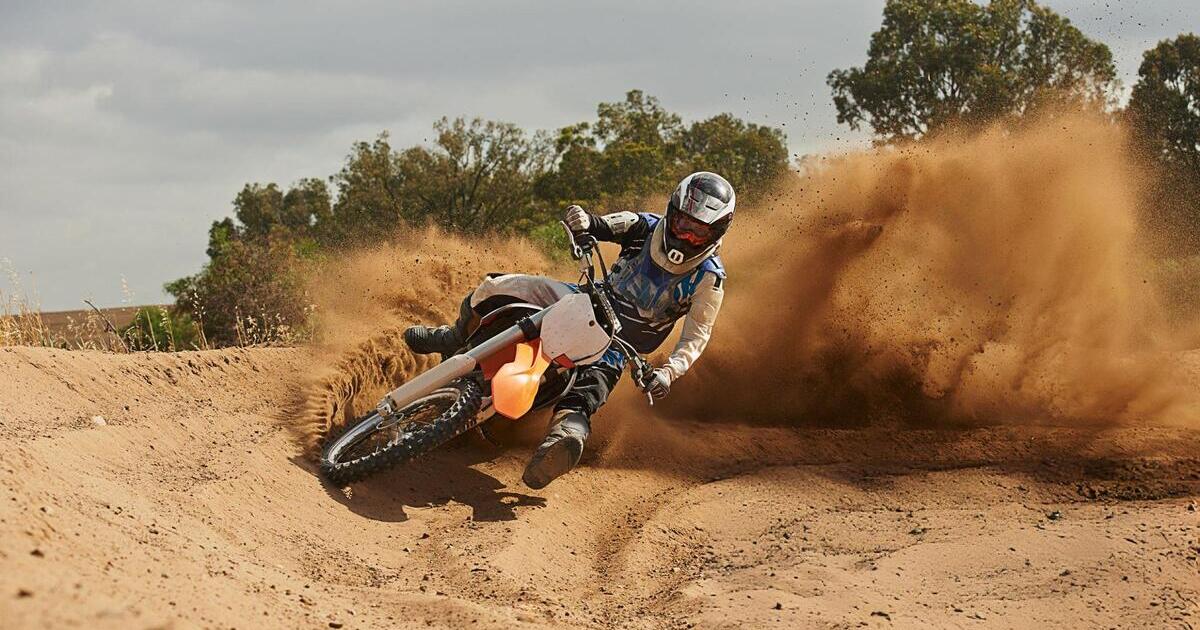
[(251, 292), (632, 150), (1165, 104), (1164, 111), (935, 63), (258, 209), (576, 177), (636, 148), (261, 209), (369, 201), (478, 177), (640, 141), (306, 205), (251, 288), (750, 156)]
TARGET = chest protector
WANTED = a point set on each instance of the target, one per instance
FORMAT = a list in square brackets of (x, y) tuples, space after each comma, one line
[(648, 298)]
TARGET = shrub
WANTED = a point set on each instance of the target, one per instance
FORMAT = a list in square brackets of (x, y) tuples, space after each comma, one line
[(162, 329)]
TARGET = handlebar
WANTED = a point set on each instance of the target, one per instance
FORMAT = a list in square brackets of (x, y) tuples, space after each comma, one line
[(577, 251), (582, 246), (640, 370)]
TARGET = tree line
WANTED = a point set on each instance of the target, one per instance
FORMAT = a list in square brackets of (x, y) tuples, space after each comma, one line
[(948, 64), (933, 65), (478, 176)]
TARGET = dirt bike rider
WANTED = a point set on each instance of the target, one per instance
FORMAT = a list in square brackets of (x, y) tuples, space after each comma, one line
[(668, 268)]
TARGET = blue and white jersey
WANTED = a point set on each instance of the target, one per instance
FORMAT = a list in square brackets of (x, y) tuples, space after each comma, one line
[(648, 298)]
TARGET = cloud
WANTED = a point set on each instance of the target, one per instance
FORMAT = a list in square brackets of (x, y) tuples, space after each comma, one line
[(127, 127)]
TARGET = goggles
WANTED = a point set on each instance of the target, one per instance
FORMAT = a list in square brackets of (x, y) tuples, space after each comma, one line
[(695, 232)]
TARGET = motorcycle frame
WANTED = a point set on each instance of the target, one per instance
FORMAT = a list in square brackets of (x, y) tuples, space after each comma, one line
[(526, 329)]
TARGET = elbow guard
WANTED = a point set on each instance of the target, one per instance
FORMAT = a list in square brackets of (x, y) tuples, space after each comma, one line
[(619, 222)]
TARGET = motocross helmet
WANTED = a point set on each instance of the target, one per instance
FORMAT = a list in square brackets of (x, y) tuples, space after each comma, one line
[(698, 215)]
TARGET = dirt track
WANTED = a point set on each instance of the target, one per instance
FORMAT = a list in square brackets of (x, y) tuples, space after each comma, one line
[(1024, 310), (192, 506)]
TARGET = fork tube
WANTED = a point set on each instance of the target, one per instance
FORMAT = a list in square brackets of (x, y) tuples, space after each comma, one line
[(456, 366)]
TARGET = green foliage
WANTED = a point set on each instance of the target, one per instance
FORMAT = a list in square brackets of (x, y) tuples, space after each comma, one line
[(477, 177), (261, 209), (551, 238), (251, 289), (578, 176), (368, 199), (750, 156), (939, 62), (641, 145), (636, 148), (1165, 104), (1164, 110), (632, 150), (161, 329), (251, 292)]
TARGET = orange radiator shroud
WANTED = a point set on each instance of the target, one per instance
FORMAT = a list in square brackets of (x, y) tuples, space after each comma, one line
[(515, 380)]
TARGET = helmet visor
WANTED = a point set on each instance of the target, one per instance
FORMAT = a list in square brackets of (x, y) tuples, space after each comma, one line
[(692, 231)]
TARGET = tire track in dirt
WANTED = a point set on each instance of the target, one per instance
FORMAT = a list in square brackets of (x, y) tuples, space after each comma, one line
[(197, 507)]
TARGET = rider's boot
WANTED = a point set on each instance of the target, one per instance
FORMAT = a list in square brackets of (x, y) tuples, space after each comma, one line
[(426, 339), (560, 451), (444, 339)]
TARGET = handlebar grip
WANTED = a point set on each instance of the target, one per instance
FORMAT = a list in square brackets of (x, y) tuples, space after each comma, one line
[(578, 239), (576, 251)]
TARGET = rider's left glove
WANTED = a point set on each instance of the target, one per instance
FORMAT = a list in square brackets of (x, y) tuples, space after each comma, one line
[(659, 384), (577, 219)]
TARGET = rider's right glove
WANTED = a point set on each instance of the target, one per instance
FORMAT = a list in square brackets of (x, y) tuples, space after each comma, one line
[(577, 219), (659, 384)]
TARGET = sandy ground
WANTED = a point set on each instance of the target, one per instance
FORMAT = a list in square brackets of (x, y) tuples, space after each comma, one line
[(191, 506)]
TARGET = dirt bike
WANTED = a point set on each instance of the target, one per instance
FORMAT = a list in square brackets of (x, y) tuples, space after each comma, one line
[(519, 358)]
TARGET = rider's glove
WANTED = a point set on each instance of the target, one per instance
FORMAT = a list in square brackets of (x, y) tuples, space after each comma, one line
[(659, 384), (577, 219)]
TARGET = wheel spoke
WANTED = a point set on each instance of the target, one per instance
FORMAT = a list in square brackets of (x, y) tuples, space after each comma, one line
[(376, 432)]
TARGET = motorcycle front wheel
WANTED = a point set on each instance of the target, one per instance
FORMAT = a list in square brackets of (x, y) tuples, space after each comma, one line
[(376, 443)]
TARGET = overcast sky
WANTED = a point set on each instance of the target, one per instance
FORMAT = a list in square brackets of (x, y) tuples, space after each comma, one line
[(126, 128)]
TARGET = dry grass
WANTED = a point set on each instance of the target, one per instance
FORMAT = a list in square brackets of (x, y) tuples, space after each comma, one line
[(24, 323), (21, 322), (271, 330)]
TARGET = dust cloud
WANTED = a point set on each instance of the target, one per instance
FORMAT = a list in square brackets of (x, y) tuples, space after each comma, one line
[(996, 277), (987, 278), (364, 302)]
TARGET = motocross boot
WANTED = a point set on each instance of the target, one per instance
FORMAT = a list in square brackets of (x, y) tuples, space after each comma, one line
[(560, 451), (446, 340)]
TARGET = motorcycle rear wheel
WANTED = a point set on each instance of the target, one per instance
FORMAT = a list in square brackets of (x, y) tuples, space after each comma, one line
[(375, 443)]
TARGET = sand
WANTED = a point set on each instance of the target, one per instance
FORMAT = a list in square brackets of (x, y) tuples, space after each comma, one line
[(192, 505)]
